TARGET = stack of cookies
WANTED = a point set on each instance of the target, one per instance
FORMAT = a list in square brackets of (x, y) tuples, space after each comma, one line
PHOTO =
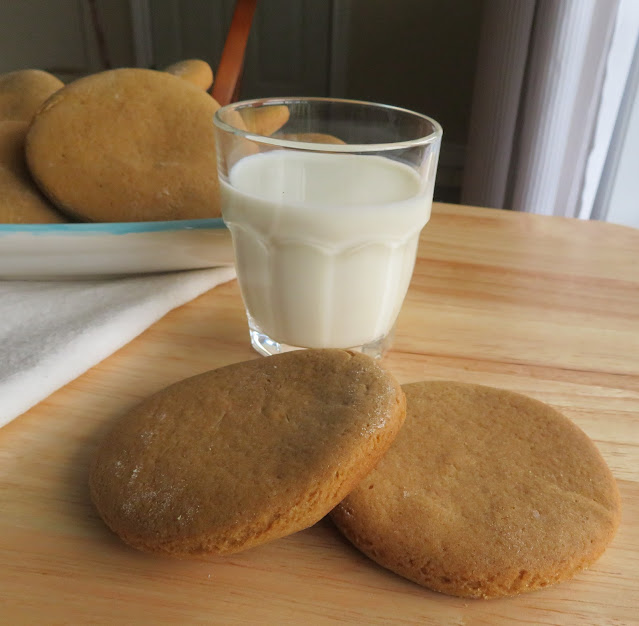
[(123, 145), (467, 490)]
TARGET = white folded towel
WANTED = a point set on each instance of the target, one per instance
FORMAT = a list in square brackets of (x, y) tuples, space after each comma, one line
[(53, 331)]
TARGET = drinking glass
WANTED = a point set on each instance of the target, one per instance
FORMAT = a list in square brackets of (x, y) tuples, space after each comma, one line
[(325, 200)]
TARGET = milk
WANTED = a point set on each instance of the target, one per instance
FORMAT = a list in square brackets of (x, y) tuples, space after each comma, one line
[(325, 243)]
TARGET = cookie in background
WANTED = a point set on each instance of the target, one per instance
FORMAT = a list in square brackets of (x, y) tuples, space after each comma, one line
[(22, 93), (194, 71), (310, 138), (127, 145), (265, 120), (21, 202)]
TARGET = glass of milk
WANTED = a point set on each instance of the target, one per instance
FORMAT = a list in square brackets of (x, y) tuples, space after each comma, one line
[(325, 200)]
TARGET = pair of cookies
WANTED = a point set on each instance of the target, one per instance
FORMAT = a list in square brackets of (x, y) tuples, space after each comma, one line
[(248, 453), (483, 493)]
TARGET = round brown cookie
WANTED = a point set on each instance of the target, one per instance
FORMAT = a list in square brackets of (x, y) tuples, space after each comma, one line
[(127, 145), (22, 92), (484, 493), (195, 71), (244, 454), (20, 199)]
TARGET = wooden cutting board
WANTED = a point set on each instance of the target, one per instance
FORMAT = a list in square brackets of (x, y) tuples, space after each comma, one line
[(544, 306)]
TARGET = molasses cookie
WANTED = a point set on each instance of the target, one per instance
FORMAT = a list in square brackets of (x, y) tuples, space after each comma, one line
[(22, 92), (195, 71), (484, 493), (311, 138), (265, 120), (241, 455), (127, 145), (20, 199)]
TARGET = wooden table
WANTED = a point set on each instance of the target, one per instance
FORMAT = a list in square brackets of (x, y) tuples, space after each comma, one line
[(544, 306)]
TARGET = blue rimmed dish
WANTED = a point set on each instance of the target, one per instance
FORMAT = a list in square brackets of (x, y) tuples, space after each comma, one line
[(87, 250)]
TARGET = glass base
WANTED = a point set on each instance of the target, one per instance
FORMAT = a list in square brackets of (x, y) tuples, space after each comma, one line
[(266, 346)]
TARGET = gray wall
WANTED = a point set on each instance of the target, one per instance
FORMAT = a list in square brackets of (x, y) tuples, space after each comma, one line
[(421, 57), (418, 54)]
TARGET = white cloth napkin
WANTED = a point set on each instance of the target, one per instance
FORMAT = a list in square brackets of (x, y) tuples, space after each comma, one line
[(51, 332)]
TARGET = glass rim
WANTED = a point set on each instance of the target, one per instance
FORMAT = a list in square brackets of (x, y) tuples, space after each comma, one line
[(326, 147)]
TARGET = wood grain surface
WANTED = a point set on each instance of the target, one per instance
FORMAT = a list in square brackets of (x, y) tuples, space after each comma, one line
[(544, 306)]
